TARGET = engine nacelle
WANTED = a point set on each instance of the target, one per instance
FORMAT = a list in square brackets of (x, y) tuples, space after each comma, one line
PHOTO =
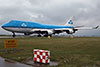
[(70, 31), (49, 31), (28, 33)]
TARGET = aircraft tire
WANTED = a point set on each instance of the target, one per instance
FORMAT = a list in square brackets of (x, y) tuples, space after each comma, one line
[(50, 35), (45, 35), (39, 36)]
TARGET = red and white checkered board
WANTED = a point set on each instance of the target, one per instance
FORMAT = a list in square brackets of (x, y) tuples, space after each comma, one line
[(41, 56)]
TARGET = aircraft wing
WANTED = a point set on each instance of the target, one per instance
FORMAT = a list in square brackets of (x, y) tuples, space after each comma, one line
[(62, 29), (86, 28), (78, 26)]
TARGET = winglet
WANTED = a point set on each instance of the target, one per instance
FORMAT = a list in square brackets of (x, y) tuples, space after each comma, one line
[(96, 27)]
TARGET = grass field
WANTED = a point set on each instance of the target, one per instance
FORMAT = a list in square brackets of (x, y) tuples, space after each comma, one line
[(69, 52)]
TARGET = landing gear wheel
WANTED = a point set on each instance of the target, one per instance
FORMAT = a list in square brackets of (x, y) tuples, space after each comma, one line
[(13, 34), (50, 35), (27, 34), (45, 35), (39, 36)]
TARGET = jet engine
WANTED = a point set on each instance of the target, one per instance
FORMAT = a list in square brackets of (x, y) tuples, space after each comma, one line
[(49, 32), (70, 31)]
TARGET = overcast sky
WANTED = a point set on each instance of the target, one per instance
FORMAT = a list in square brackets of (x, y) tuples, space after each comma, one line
[(56, 12)]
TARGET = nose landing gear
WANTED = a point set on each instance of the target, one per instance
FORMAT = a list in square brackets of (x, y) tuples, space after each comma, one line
[(13, 34)]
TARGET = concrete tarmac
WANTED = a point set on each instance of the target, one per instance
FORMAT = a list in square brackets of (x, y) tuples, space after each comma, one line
[(4, 63), (12, 37), (5, 37)]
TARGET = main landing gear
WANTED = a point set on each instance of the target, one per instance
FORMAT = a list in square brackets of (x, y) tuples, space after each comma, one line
[(13, 34), (39, 35), (46, 35)]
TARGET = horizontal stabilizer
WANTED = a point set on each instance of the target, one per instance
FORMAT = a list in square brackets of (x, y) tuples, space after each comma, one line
[(96, 27), (78, 26), (87, 28)]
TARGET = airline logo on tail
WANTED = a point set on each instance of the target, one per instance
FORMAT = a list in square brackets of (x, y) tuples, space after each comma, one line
[(70, 22)]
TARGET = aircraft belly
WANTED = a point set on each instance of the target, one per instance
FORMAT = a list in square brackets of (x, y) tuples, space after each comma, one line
[(33, 30), (21, 30)]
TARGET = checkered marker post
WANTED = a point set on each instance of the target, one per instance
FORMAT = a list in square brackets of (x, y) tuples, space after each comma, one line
[(41, 56)]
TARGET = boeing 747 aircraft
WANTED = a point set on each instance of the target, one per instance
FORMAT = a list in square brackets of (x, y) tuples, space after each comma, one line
[(26, 27)]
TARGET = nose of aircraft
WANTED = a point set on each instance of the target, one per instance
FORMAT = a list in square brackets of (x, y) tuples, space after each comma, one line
[(4, 25)]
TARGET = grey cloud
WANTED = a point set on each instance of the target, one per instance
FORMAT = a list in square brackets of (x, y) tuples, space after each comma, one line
[(57, 12)]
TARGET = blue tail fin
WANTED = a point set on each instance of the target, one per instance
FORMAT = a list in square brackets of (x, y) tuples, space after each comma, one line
[(69, 22)]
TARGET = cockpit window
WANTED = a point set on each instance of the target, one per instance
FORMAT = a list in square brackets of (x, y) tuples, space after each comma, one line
[(11, 21)]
